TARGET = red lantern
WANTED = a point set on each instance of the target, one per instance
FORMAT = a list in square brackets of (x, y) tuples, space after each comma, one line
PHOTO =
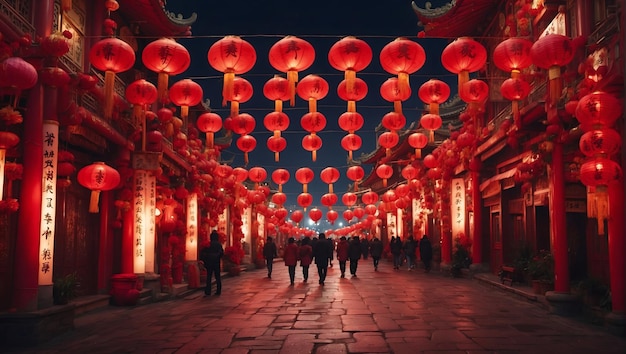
[(430, 161), (279, 198), (305, 199), (185, 93), (315, 214), (246, 143), (276, 145), (351, 121), (232, 56), (515, 90), (434, 92), (348, 215), (599, 172), (280, 176), (409, 172), (384, 172), (463, 56), (513, 54), (351, 142), (296, 216), (474, 92), (312, 88), (418, 141), (98, 177), (332, 215), (329, 175), (243, 124), (312, 143), (257, 175), (402, 57), (598, 109), (209, 123), (313, 122), (431, 122), (241, 174), (369, 197), (304, 175), (276, 121), (277, 90), (113, 56), (359, 91), (551, 52), (606, 142), (388, 140), (390, 91), (389, 196), (329, 199), (355, 174), (350, 55), (242, 92), (17, 75), (140, 93), (349, 199), (394, 121), (291, 55), (434, 173), (359, 212), (165, 57), (371, 209)]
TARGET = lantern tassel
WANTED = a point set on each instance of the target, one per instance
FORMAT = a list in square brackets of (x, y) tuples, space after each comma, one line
[(463, 77), (234, 108), (350, 155), (516, 117), (278, 105), (109, 85), (433, 108), (351, 106), (276, 156), (602, 207), (210, 139), (397, 106), (162, 82), (554, 75), (305, 188), (384, 182), (403, 84), (330, 188), (350, 76), (292, 77), (312, 105), (229, 87), (137, 109), (184, 113), (418, 153), (356, 186), (93, 201), (431, 136), (314, 155), (245, 158)]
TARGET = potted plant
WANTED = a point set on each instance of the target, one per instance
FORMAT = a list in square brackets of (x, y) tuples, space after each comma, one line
[(541, 272), (64, 288), (232, 259), (461, 258)]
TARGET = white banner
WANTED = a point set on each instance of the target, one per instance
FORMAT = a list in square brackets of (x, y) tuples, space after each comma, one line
[(457, 206), (48, 200)]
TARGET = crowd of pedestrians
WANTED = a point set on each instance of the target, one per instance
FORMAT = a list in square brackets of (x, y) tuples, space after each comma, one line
[(320, 251)]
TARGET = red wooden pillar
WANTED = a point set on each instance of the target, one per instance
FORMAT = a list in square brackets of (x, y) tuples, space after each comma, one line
[(477, 242), (127, 241), (446, 244), (105, 249), (617, 248), (557, 220)]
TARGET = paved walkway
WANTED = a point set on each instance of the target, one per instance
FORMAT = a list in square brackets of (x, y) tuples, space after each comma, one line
[(379, 312)]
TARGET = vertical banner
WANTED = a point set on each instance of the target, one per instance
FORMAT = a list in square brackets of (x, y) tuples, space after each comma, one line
[(139, 208), (400, 222), (391, 225), (150, 221), (48, 201), (457, 206), (246, 221), (418, 219), (222, 222), (261, 229), (191, 246)]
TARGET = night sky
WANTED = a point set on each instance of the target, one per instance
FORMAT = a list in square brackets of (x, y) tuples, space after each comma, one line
[(322, 23)]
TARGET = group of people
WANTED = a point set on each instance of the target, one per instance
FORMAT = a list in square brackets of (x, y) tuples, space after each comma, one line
[(408, 250)]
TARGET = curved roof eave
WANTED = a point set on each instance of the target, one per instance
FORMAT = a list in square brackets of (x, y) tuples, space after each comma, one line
[(154, 19)]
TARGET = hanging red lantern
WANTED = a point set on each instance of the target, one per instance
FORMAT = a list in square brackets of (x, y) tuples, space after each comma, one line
[(296, 216), (291, 55), (371, 209), (551, 52), (332, 216), (462, 56), (369, 197), (474, 92), (348, 215), (329, 175), (390, 91), (351, 142), (98, 177), (431, 122), (305, 199), (209, 123), (515, 90), (242, 92), (165, 57), (277, 90), (349, 199), (394, 121), (605, 142), (409, 172), (257, 175), (113, 56), (430, 161), (359, 91), (389, 196), (312, 143), (17, 75), (276, 122), (243, 124), (140, 94), (418, 141), (304, 175), (434, 173), (279, 198), (185, 93), (359, 212), (600, 172), (313, 122), (54, 76), (513, 54), (329, 199), (246, 143), (351, 121), (240, 173), (280, 176), (434, 92), (8, 140), (232, 56), (402, 57), (598, 109), (276, 145), (315, 214), (388, 140), (355, 174), (312, 88), (350, 55), (384, 172)]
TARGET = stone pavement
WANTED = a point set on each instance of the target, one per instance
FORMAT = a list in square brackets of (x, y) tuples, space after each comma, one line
[(389, 311)]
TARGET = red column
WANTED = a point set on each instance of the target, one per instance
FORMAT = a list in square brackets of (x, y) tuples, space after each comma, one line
[(557, 221), (617, 248), (105, 250), (127, 241), (477, 242), (446, 248)]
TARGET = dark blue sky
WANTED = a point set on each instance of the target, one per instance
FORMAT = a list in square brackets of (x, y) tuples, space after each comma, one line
[(322, 23)]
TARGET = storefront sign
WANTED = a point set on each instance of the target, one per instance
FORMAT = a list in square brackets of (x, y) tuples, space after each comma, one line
[(144, 221), (191, 246), (457, 206), (48, 201)]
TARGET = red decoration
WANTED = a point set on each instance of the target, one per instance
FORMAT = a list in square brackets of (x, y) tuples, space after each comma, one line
[(313, 122), (332, 215), (418, 141), (209, 123), (348, 215), (312, 88), (351, 142), (276, 121), (291, 55), (165, 57), (98, 177), (431, 122), (329, 199), (296, 216), (513, 54), (257, 175), (349, 199), (402, 57), (605, 142), (394, 121), (280, 176), (140, 93), (329, 175), (232, 56), (598, 109), (185, 93), (515, 90), (409, 172), (276, 144), (434, 92), (54, 76), (359, 91), (474, 92), (355, 174), (390, 91), (304, 175), (17, 75), (430, 161), (369, 197), (599, 172), (551, 52), (312, 143), (240, 173), (463, 56), (279, 198), (384, 172), (388, 140), (246, 143), (277, 90), (315, 214), (113, 56), (243, 124), (350, 55), (351, 121), (305, 199)]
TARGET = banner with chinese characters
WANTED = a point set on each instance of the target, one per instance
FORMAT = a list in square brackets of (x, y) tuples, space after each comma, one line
[(418, 218), (48, 201), (191, 246), (391, 225), (261, 229), (144, 208), (457, 206), (400, 223), (222, 222)]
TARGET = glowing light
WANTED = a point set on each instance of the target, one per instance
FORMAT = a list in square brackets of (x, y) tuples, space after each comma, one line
[(48, 201)]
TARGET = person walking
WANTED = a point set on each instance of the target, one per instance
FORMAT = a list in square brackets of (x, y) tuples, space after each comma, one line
[(270, 252), (376, 251), (365, 247), (426, 252), (409, 251), (396, 250), (342, 255), (291, 258), (354, 254), (322, 253), (211, 256), (306, 257)]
